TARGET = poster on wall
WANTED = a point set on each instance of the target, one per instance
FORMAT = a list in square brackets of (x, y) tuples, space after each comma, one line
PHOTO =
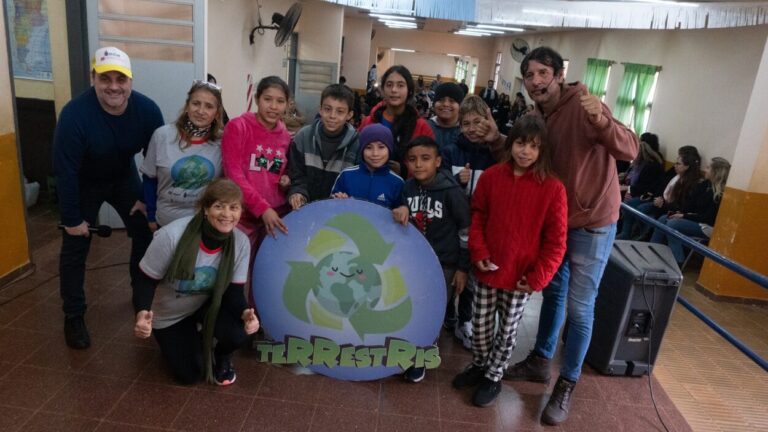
[(30, 45), (349, 293)]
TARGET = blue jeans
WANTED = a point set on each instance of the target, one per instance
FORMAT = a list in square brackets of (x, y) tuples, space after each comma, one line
[(628, 221), (575, 286), (685, 226)]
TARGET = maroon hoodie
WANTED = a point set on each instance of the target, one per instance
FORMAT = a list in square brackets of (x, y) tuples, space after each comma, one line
[(584, 158)]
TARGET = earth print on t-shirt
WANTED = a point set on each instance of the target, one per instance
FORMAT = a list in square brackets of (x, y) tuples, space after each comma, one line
[(205, 279), (192, 172)]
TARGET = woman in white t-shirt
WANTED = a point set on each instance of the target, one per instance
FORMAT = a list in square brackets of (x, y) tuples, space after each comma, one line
[(184, 157), (194, 272)]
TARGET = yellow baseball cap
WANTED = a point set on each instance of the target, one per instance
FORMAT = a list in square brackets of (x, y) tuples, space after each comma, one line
[(111, 59)]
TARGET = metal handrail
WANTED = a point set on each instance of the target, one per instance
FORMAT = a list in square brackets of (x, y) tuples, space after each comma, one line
[(753, 276)]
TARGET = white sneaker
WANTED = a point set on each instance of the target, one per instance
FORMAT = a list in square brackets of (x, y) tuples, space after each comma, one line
[(463, 333)]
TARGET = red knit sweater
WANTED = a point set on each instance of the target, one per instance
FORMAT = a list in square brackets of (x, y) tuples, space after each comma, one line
[(520, 224)]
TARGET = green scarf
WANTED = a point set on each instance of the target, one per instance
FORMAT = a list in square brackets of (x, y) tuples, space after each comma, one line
[(183, 268)]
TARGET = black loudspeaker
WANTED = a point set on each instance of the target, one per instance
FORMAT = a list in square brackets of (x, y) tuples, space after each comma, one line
[(634, 302)]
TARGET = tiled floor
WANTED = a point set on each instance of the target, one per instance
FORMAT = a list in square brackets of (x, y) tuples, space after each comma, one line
[(120, 384), (714, 385)]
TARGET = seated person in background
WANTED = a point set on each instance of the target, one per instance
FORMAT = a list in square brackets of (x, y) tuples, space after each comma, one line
[(293, 118), (642, 181), (321, 150), (193, 144), (372, 180), (193, 275), (697, 216), (688, 166)]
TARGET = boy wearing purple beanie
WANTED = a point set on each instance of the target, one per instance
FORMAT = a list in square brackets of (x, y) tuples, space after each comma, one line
[(372, 180)]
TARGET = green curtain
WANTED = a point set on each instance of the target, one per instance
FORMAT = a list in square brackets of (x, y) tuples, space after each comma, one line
[(634, 92), (645, 77), (597, 76)]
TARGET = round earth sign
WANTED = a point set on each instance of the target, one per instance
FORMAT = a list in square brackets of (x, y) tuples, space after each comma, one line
[(349, 293)]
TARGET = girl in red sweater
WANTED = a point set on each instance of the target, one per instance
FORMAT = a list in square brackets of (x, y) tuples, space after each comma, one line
[(516, 243)]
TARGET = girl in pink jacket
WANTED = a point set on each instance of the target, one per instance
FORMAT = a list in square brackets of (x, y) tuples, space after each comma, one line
[(254, 155)]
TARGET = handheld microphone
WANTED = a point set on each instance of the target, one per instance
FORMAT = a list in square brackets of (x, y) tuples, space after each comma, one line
[(99, 230)]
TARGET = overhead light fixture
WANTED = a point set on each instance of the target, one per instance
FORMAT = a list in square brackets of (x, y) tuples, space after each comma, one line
[(492, 27), (556, 13), (470, 33), (394, 26), (523, 23), (403, 50), (482, 30), (393, 17), (669, 3), (405, 23), (454, 55)]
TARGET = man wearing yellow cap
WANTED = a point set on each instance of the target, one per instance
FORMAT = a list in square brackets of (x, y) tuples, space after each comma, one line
[(97, 136)]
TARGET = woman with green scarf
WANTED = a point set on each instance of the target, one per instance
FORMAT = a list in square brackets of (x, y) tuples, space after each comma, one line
[(192, 289)]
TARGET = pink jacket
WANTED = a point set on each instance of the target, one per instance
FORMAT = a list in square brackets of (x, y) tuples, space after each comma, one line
[(255, 158)]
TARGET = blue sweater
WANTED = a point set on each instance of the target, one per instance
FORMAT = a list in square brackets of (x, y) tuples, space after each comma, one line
[(91, 146), (382, 186)]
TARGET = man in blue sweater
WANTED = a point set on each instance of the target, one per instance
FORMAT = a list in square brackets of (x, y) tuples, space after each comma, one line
[(97, 136)]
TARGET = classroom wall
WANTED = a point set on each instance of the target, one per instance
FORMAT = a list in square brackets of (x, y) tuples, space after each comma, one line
[(14, 255), (320, 29), (357, 50), (433, 43), (429, 64), (230, 57), (704, 86)]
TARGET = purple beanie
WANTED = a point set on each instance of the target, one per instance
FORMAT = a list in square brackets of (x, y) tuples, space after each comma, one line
[(376, 132)]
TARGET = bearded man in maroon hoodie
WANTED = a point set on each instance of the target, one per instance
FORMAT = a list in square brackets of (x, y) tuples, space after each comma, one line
[(586, 142)]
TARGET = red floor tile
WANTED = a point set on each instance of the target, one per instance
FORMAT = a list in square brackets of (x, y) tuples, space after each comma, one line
[(280, 383), (119, 361), (30, 387), (19, 344), (47, 422), (330, 419), (87, 396), (269, 415), (456, 405), (209, 411), (396, 423), (55, 354), (150, 405), (12, 418), (350, 395), (404, 398)]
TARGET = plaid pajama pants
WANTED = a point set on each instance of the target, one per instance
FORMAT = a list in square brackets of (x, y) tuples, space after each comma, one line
[(493, 349)]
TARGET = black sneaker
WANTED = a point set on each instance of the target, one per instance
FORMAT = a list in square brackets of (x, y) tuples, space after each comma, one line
[(414, 374), (76, 333), (486, 393), (533, 368), (223, 372), (450, 325), (559, 403), (470, 376)]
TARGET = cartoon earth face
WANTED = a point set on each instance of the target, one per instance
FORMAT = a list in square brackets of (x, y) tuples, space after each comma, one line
[(346, 283)]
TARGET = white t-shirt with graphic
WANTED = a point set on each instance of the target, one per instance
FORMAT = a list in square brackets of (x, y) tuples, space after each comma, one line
[(176, 300), (182, 174)]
